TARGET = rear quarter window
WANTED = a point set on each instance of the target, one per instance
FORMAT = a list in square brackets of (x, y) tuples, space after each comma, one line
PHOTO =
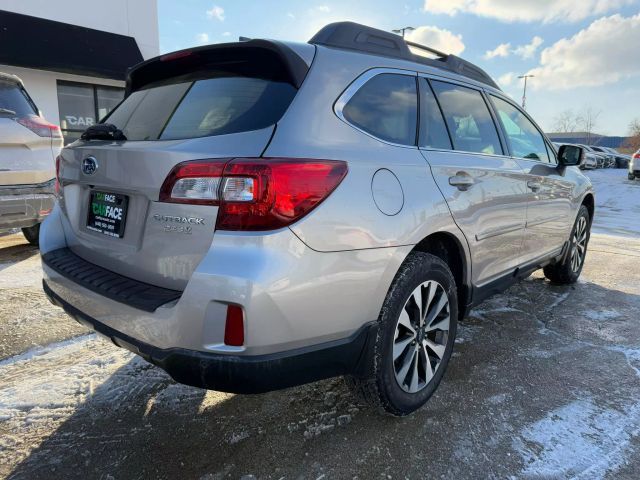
[(386, 107)]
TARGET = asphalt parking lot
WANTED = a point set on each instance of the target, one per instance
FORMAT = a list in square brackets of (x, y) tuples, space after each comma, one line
[(544, 383)]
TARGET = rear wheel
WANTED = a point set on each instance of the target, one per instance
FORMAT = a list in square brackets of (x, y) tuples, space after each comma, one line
[(568, 270), (416, 333), (32, 234)]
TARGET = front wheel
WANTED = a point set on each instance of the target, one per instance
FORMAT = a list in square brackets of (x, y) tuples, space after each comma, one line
[(32, 234), (416, 333), (631, 176), (568, 270)]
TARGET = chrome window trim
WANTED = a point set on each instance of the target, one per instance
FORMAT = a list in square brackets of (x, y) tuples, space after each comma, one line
[(356, 85)]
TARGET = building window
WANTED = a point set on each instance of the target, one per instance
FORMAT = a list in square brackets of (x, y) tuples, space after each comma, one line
[(82, 105)]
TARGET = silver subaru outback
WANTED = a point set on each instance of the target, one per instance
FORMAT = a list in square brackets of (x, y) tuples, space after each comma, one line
[(258, 215)]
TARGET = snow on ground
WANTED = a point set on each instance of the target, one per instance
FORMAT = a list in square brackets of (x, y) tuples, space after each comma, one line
[(617, 203), (579, 440)]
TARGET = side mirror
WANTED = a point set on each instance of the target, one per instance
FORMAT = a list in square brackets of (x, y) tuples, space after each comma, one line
[(570, 155)]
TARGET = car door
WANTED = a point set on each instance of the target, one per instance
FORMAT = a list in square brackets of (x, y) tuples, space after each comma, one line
[(548, 193), (484, 188)]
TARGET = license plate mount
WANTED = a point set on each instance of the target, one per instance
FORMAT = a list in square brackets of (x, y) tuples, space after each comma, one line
[(107, 213)]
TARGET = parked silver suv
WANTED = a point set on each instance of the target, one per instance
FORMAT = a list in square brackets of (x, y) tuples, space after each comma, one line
[(258, 215), (28, 148)]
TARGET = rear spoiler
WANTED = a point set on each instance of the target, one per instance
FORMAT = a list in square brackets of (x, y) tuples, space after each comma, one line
[(264, 58)]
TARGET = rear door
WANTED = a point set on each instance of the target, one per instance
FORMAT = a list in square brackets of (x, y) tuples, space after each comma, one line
[(197, 112), (25, 156), (549, 195), (484, 188)]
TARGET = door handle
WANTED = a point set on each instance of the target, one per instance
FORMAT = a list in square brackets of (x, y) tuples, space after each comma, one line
[(533, 185), (462, 180)]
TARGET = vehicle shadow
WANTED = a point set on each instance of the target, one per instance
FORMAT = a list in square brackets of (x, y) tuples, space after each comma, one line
[(514, 363), (14, 253)]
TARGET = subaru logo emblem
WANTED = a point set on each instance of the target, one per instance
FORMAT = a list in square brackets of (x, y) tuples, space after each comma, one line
[(89, 166)]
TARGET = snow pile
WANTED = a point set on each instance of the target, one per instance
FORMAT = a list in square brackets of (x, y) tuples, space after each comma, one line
[(617, 203)]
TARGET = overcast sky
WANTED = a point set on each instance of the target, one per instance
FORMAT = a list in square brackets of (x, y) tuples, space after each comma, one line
[(584, 53)]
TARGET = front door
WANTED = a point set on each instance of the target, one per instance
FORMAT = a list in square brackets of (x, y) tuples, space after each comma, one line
[(549, 194)]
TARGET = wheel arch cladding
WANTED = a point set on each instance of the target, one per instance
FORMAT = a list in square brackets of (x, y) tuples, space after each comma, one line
[(448, 248), (589, 202)]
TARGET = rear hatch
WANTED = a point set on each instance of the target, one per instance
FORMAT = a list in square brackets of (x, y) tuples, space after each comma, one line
[(26, 139), (212, 102)]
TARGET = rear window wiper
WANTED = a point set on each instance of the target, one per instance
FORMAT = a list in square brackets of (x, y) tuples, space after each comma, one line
[(103, 131), (6, 111)]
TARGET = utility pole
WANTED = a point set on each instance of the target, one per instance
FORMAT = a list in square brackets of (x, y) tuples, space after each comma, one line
[(402, 31), (524, 93)]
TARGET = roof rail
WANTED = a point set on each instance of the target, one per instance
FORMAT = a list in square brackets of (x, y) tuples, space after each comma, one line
[(361, 38)]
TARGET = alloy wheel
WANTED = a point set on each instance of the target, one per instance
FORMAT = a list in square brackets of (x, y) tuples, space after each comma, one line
[(579, 244), (421, 336)]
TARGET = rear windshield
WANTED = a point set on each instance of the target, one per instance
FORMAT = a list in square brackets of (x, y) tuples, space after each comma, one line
[(200, 108), (13, 97)]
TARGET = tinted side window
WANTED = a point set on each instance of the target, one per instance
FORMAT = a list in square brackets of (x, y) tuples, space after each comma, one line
[(468, 118), (433, 131), (525, 139), (386, 107)]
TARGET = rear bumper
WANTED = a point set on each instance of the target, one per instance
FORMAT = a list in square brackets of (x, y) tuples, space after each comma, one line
[(25, 205), (292, 296), (242, 373)]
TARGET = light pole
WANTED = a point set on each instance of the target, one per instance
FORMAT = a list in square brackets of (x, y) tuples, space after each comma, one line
[(524, 93), (401, 31)]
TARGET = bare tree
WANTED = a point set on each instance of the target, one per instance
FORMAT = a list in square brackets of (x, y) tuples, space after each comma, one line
[(566, 121), (588, 119), (633, 142)]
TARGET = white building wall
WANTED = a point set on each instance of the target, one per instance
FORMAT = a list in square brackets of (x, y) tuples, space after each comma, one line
[(43, 89), (134, 18)]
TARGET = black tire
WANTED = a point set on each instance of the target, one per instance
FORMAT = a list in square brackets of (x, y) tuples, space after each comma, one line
[(379, 386), (565, 272), (32, 234), (631, 176)]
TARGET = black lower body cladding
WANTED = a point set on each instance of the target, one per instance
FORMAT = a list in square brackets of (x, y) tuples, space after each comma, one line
[(239, 373)]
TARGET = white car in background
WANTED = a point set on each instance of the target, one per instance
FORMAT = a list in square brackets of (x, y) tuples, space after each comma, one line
[(634, 166), (29, 146)]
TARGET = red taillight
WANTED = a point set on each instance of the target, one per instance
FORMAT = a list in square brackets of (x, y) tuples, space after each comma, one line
[(254, 194), (636, 155), (57, 186), (234, 326), (40, 126)]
